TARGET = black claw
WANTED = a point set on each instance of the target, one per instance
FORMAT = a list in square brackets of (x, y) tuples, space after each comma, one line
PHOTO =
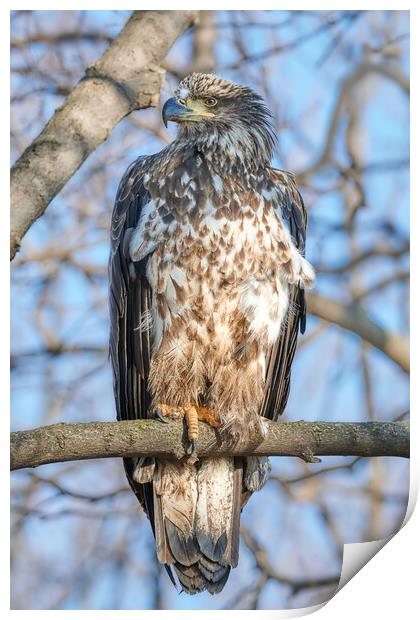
[(192, 448), (159, 416)]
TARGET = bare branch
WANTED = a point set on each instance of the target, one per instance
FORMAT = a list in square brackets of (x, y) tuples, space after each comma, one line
[(58, 348), (94, 440), (379, 250), (325, 25), (60, 37), (127, 77), (312, 474), (265, 566), (399, 276), (76, 494), (354, 318), (391, 72), (205, 37)]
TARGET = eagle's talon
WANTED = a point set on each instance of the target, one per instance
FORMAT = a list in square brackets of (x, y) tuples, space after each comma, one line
[(193, 446), (159, 416), (191, 449)]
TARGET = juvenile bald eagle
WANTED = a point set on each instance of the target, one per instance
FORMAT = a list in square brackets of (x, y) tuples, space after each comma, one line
[(207, 276)]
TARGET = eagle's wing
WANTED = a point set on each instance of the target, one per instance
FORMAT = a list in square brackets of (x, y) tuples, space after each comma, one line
[(130, 300), (280, 357)]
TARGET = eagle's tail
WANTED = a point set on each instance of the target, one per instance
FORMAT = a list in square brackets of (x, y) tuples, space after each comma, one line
[(196, 520)]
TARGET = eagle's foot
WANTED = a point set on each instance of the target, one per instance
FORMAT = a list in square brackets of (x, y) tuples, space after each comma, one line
[(209, 415), (159, 415), (163, 411), (189, 412), (192, 413)]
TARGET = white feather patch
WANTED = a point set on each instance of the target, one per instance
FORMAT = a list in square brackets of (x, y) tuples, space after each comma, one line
[(215, 496)]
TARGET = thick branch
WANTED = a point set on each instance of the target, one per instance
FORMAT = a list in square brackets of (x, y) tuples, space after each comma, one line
[(353, 318), (127, 77), (94, 440)]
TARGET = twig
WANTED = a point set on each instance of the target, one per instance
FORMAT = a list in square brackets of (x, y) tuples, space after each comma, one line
[(265, 566)]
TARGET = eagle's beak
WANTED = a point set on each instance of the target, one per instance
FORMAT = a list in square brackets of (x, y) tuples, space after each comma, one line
[(174, 110)]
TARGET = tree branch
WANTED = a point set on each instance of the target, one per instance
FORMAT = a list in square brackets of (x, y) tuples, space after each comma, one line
[(94, 440), (354, 318), (126, 78), (69, 36), (263, 563), (389, 71), (377, 251)]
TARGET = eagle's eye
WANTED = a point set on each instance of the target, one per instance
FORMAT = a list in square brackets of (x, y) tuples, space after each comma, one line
[(210, 102)]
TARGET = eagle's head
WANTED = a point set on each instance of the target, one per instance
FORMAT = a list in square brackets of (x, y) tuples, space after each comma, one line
[(216, 112)]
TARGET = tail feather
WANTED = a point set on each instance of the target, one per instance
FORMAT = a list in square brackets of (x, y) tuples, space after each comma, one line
[(190, 578), (184, 548), (196, 513), (163, 550), (212, 571), (233, 543)]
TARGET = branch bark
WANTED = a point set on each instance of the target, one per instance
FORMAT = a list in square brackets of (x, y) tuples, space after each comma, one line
[(94, 440), (127, 77), (353, 318)]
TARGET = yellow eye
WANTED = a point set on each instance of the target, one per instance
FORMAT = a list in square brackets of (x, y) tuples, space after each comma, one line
[(210, 102)]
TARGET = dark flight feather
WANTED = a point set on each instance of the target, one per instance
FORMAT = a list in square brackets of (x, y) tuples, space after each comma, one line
[(280, 358), (130, 297)]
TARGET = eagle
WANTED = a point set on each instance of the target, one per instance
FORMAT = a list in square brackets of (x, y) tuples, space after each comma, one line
[(207, 277)]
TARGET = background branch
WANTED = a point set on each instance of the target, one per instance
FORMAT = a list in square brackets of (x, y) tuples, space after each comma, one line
[(93, 440), (127, 77), (359, 73), (355, 319)]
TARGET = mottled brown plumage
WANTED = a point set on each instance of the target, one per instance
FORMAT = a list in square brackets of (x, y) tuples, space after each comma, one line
[(207, 278)]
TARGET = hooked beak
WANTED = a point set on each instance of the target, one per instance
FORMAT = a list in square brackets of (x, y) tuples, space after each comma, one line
[(173, 110)]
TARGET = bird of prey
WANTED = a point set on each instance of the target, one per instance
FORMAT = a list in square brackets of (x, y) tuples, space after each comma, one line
[(207, 277)]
